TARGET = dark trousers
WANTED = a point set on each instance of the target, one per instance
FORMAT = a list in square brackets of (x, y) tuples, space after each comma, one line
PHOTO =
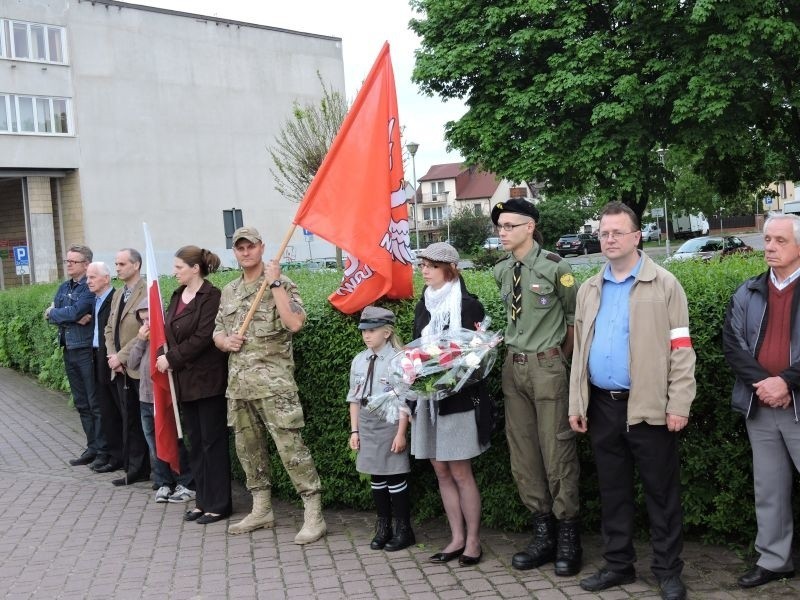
[(205, 425), (654, 450), (110, 417), (78, 364), (161, 471), (136, 454)]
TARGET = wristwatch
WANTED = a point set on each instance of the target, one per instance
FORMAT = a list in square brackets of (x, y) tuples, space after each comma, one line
[(275, 284)]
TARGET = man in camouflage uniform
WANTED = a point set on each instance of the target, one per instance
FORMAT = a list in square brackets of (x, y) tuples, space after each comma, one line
[(539, 292), (262, 394)]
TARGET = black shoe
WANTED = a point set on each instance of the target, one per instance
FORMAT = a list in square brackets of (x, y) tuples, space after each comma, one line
[(383, 533), (443, 557), (470, 561), (110, 466), (131, 478), (672, 588), (98, 462), (604, 579), (209, 518), (192, 515), (542, 548), (403, 536), (568, 548), (759, 576), (84, 459)]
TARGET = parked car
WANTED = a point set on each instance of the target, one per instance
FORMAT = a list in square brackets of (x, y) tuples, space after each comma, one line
[(577, 243), (651, 232), (707, 247), (492, 243)]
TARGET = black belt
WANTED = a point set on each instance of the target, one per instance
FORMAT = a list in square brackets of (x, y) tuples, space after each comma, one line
[(613, 394), (520, 358)]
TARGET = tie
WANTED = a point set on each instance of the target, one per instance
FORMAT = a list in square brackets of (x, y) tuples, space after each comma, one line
[(126, 294), (516, 294), (370, 374)]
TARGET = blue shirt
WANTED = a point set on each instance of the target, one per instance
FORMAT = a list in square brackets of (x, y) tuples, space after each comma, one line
[(608, 356), (98, 302)]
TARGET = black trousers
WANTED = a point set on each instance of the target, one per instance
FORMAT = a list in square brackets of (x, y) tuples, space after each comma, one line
[(110, 417), (136, 454), (654, 450), (205, 423)]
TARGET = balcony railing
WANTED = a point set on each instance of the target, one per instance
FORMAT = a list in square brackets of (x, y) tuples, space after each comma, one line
[(440, 198)]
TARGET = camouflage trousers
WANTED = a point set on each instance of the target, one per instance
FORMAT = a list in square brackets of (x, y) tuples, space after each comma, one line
[(282, 417)]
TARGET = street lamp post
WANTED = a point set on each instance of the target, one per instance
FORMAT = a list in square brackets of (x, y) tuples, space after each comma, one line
[(412, 148), (661, 154)]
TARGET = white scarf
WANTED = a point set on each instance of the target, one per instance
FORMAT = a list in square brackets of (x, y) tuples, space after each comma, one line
[(444, 306)]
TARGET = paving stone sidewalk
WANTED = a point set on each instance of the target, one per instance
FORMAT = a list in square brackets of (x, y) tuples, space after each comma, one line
[(68, 533)]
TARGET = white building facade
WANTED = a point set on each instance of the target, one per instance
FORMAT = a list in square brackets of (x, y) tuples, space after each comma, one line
[(112, 114)]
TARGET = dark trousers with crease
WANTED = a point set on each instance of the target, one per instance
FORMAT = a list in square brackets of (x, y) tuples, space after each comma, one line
[(654, 450), (136, 453)]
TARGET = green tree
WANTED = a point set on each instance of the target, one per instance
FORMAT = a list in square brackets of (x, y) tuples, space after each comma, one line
[(303, 142), (468, 231), (560, 214), (581, 94)]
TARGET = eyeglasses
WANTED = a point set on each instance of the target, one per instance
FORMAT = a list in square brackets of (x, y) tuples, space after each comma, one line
[(614, 235), (509, 226), (73, 262)]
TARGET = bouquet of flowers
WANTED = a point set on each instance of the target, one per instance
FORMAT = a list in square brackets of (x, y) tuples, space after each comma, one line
[(435, 367)]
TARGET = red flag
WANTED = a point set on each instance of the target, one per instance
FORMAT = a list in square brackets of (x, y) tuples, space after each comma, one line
[(165, 424), (357, 198)]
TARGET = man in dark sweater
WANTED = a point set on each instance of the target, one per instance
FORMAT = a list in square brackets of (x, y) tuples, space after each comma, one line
[(761, 339)]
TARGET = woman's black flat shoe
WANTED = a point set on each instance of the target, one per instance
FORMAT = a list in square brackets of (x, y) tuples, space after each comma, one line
[(443, 557), (192, 515), (470, 561), (209, 518)]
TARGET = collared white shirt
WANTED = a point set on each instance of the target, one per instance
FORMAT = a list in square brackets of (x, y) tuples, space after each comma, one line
[(786, 282)]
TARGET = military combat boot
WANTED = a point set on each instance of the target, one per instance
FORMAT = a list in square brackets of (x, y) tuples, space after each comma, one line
[(568, 548), (542, 548), (260, 516), (403, 536), (313, 524), (383, 533)]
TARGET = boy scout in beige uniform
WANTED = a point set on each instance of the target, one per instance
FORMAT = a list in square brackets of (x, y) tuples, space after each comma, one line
[(539, 291), (262, 394)]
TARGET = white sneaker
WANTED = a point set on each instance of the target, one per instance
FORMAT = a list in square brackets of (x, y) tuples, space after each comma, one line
[(162, 495), (182, 494)]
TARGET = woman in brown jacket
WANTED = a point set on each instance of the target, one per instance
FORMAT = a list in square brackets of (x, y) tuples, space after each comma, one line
[(200, 373)]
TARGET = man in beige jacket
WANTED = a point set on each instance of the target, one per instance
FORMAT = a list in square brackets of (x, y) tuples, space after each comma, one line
[(631, 387)]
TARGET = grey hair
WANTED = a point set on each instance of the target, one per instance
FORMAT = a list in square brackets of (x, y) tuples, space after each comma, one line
[(795, 220), (84, 251), (103, 268)]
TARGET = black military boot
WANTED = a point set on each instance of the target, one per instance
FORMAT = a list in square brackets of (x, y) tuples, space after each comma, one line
[(542, 548), (383, 533), (403, 536), (568, 548)]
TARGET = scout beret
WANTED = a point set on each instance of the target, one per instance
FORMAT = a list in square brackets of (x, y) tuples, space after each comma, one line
[(375, 316), (515, 205)]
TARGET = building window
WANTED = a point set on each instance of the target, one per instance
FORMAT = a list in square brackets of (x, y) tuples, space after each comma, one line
[(476, 209), (38, 115), (231, 221), (434, 215), (32, 41)]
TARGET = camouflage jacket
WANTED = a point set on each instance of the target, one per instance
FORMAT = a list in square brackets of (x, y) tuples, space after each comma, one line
[(265, 364)]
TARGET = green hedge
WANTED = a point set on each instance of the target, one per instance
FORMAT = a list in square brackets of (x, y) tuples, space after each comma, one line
[(716, 475)]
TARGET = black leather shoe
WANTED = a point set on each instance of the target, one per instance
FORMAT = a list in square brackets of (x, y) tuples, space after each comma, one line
[(209, 518), (192, 515), (604, 579), (98, 462), (84, 459), (470, 561), (672, 588), (443, 557), (131, 478), (108, 467), (759, 576)]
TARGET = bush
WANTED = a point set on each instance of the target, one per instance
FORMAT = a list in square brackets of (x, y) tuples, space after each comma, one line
[(717, 468)]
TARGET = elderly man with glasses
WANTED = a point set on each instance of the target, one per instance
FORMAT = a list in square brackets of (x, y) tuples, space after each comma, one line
[(538, 290), (71, 311)]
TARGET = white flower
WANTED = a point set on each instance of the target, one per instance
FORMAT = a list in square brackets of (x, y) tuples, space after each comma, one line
[(472, 360), (432, 350)]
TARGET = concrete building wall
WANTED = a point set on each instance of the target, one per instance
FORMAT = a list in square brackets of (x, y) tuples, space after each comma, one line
[(172, 115), (12, 228), (42, 244)]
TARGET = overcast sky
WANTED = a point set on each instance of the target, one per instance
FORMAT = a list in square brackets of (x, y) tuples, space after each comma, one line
[(363, 26)]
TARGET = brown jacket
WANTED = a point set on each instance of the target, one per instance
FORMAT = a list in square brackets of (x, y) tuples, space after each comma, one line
[(199, 368), (128, 325)]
